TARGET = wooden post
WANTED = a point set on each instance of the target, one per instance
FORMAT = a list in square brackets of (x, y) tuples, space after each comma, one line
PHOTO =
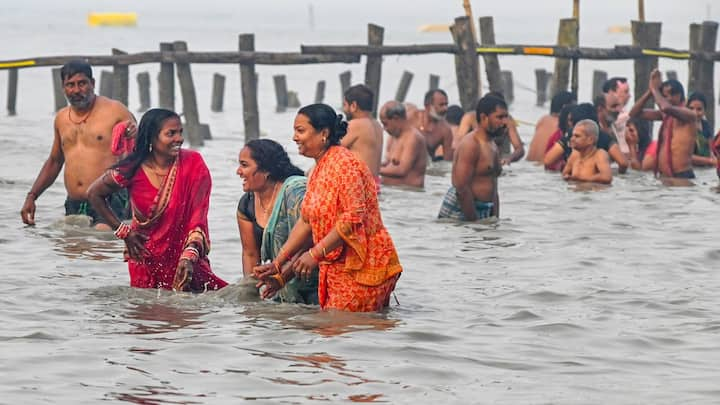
[(403, 86), (434, 82), (166, 80), (320, 91), (694, 64), (106, 83), (641, 10), (541, 86), (567, 36), (467, 65), (58, 91), (281, 93), (218, 93), (187, 90), (671, 74), (251, 116), (373, 67), (599, 78), (143, 80), (492, 65), (345, 78), (121, 80), (508, 90), (645, 35), (12, 91), (293, 100), (708, 43)]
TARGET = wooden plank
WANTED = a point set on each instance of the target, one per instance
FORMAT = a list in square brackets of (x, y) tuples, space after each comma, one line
[(120, 79), (541, 86), (12, 91), (645, 35), (708, 43), (251, 116), (599, 79), (320, 91), (58, 90), (467, 66), (403, 86), (218, 93), (166, 79), (492, 64), (187, 90), (567, 36), (281, 93), (143, 80), (434, 82)]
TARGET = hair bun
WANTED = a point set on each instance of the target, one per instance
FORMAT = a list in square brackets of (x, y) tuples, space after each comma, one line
[(340, 126)]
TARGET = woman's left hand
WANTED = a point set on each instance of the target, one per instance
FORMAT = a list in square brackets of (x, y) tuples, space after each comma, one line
[(304, 265), (183, 275)]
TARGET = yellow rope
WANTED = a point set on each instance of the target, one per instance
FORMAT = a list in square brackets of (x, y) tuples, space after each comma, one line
[(20, 63)]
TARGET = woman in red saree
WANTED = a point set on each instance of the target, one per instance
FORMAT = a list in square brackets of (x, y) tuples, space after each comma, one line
[(341, 222), (167, 241)]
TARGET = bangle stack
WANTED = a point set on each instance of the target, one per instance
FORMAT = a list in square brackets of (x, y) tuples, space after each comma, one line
[(122, 231), (280, 279), (190, 253)]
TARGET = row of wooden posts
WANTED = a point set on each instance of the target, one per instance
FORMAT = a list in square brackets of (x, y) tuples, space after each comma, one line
[(175, 59)]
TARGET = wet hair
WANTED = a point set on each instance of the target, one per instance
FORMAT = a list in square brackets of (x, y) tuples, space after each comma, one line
[(430, 93), (583, 111), (560, 100), (454, 114), (395, 109), (322, 116), (487, 105), (74, 67), (272, 158), (360, 94), (697, 96), (591, 128), (563, 118), (643, 130), (612, 84), (675, 88), (148, 129)]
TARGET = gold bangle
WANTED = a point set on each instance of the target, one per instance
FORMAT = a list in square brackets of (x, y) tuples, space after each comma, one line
[(277, 266), (312, 254)]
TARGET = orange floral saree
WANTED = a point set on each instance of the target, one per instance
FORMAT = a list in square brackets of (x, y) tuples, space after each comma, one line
[(172, 217), (342, 195)]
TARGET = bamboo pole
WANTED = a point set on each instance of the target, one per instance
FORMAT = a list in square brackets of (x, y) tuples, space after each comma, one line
[(469, 14), (641, 10), (373, 64), (251, 116), (576, 9)]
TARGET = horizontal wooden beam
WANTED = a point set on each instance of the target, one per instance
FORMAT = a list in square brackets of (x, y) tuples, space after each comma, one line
[(378, 50)]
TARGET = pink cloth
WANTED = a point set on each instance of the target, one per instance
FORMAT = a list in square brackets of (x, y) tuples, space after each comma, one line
[(121, 143), (554, 138)]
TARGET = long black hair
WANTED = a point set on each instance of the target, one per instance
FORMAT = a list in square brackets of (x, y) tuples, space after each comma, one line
[(150, 125), (322, 116), (272, 158)]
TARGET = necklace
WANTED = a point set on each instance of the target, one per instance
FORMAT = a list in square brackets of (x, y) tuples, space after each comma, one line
[(266, 210), (85, 117)]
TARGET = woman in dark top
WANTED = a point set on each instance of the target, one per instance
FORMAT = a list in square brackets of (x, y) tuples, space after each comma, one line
[(274, 191)]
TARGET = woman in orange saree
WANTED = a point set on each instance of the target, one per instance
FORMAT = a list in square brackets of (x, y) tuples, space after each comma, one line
[(167, 242), (341, 221)]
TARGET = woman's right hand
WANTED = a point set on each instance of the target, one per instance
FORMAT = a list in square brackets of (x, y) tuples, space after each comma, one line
[(135, 243), (264, 271)]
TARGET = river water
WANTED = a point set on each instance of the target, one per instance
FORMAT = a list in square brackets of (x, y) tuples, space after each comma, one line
[(576, 295)]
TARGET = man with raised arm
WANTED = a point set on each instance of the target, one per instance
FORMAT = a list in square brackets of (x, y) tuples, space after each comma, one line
[(676, 139), (476, 166), (406, 160), (82, 143)]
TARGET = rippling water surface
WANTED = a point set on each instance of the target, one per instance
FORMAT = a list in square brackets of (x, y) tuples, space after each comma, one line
[(576, 295)]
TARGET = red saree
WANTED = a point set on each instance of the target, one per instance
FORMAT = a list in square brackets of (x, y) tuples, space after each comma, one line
[(172, 217), (342, 195)]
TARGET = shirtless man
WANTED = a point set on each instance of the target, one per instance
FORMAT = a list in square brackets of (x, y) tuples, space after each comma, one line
[(617, 95), (587, 162), (431, 123), (547, 125), (406, 161), (364, 134), (83, 134), (476, 166), (676, 139)]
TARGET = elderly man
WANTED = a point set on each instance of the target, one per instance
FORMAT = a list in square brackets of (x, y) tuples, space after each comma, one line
[(676, 140), (432, 124), (82, 143), (587, 162), (476, 166), (407, 157)]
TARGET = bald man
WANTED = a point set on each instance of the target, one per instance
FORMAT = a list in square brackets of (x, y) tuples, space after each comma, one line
[(407, 158)]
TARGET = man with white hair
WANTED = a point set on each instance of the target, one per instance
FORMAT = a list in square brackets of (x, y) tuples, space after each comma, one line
[(587, 162)]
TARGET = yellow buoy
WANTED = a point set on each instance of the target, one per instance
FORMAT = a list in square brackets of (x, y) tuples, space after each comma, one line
[(112, 19)]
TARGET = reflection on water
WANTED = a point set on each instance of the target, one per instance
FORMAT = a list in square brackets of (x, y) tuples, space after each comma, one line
[(153, 317)]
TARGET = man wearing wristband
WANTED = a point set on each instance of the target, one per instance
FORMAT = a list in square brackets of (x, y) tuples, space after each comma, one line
[(83, 133)]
